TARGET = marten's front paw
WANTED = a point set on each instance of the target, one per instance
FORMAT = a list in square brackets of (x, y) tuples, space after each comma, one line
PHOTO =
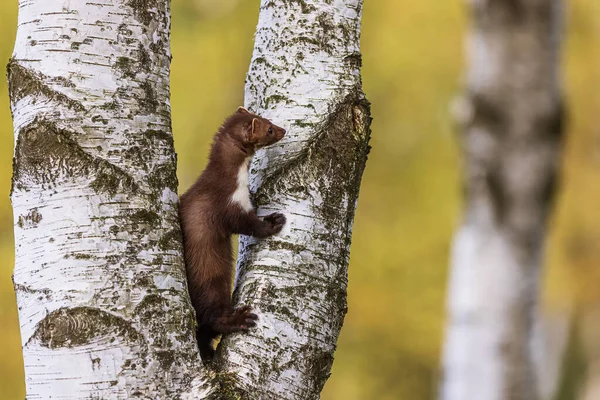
[(244, 318), (276, 222)]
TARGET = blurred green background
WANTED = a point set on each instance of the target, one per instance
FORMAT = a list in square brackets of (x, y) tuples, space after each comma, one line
[(410, 197)]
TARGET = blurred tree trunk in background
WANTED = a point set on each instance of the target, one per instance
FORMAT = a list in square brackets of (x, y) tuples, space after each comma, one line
[(513, 122), (305, 76), (99, 273)]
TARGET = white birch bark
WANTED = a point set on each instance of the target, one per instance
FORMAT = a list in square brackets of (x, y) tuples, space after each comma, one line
[(305, 76), (99, 274), (512, 116)]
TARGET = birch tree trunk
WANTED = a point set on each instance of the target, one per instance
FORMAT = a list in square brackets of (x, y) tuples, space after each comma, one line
[(99, 274), (512, 116), (305, 76)]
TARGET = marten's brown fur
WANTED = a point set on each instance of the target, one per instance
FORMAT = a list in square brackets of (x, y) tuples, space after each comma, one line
[(213, 209)]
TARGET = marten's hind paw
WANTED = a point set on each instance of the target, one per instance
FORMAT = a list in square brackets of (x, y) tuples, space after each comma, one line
[(244, 318)]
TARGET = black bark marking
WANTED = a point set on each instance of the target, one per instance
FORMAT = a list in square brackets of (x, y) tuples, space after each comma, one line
[(148, 102), (46, 154), (72, 327), (143, 10), (489, 114), (23, 82), (30, 220)]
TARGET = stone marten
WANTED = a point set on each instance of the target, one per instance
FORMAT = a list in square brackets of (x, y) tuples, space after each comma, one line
[(215, 207)]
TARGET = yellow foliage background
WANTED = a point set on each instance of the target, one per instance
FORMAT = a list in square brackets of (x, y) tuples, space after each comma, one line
[(410, 197)]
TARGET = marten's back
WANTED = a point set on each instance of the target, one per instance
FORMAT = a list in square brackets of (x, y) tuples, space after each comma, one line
[(206, 248)]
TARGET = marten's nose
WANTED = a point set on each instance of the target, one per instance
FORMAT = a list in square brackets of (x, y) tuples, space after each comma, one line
[(282, 131)]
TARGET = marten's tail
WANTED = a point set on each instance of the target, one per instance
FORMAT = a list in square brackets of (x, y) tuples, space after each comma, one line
[(205, 336)]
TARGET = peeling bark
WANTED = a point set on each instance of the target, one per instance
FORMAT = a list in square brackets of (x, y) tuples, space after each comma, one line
[(99, 273), (513, 124), (305, 76)]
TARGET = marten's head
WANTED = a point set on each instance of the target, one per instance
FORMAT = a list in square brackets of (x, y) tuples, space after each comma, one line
[(252, 131)]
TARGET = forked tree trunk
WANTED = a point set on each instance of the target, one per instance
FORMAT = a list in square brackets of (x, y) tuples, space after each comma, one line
[(305, 76), (512, 115), (99, 272)]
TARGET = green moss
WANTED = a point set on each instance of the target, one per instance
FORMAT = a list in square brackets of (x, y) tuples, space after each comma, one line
[(302, 124), (275, 99)]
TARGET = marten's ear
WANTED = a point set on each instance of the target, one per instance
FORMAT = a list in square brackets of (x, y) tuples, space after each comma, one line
[(242, 110), (252, 137)]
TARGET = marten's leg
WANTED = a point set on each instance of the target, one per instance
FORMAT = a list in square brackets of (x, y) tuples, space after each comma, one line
[(247, 223), (218, 314), (205, 336), (240, 319)]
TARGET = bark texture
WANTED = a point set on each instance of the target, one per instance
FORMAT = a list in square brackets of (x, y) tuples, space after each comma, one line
[(305, 76), (99, 272), (513, 123)]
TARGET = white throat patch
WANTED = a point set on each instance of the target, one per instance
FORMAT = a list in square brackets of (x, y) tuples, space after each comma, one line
[(241, 195)]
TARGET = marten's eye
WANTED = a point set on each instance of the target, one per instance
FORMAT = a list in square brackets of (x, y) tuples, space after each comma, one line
[(270, 131)]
